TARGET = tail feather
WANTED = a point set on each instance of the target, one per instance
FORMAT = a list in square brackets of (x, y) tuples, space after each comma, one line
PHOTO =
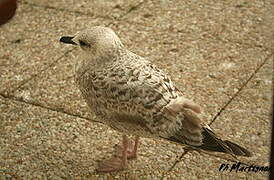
[(212, 143)]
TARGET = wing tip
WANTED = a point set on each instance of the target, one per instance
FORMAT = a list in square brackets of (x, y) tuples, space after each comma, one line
[(212, 143)]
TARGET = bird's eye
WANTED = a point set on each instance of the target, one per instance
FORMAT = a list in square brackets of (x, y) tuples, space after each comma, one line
[(82, 43)]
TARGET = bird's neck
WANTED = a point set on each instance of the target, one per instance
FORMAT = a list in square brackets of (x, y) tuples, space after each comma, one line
[(89, 62)]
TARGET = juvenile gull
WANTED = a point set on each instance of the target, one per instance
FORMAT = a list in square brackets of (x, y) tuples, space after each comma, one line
[(130, 94)]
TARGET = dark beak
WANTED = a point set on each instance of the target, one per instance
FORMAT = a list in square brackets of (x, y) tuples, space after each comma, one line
[(67, 40)]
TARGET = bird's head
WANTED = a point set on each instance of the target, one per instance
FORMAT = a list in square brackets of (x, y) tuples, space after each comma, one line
[(96, 41)]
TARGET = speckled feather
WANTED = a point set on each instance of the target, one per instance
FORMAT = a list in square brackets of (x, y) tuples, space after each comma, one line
[(131, 95)]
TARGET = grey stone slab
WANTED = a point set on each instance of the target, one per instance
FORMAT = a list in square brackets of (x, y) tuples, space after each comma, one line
[(30, 42), (112, 9), (245, 22), (37, 143), (55, 88)]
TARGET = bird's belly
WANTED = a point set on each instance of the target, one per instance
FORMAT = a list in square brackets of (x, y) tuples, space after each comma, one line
[(128, 128), (104, 113)]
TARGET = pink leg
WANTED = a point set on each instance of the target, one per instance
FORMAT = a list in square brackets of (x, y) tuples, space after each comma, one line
[(132, 149), (135, 149), (115, 163), (124, 155)]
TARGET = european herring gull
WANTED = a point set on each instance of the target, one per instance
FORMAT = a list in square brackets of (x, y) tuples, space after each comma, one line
[(131, 95)]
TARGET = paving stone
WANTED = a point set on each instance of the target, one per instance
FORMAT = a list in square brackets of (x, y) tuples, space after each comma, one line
[(30, 42), (48, 144), (55, 88), (245, 22), (113, 9)]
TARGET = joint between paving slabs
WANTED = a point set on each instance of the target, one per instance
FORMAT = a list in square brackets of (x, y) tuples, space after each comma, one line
[(61, 9), (133, 8), (53, 63), (240, 89), (121, 17), (37, 104), (22, 83), (202, 152), (219, 113), (8, 174)]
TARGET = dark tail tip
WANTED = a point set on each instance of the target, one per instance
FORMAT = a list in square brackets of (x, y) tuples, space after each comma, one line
[(212, 143), (238, 150)]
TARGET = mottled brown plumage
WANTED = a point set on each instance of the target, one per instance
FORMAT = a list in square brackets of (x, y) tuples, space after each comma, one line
[(130, 94)]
